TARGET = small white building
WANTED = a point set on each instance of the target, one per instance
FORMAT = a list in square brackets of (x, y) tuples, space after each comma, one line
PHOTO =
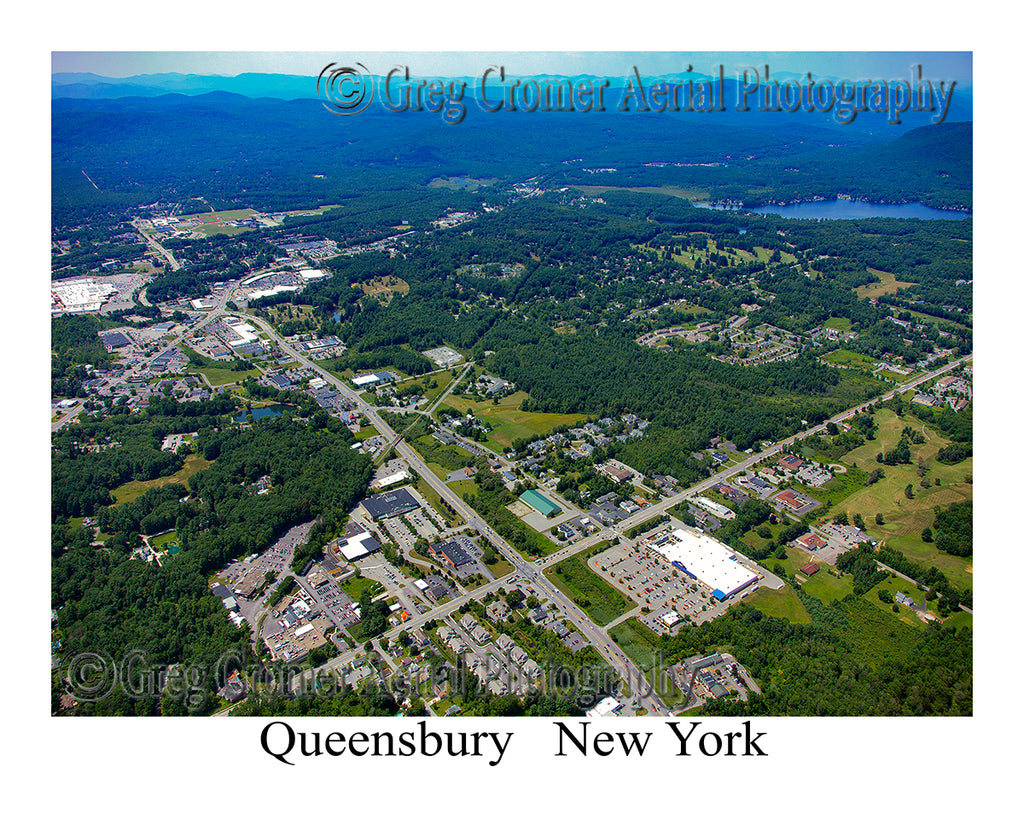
[(608, 707)]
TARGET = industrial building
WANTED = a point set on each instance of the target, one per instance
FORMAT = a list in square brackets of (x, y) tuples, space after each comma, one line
[(443, 356), (705, 559), (537, 501)]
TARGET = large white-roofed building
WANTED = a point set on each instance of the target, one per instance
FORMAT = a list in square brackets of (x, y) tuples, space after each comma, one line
[(716, 509), (705, 559), (358, 546), (78, 295)]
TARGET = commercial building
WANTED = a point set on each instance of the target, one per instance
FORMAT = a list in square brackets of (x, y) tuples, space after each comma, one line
[(357, 546), (705, 559), (390, 480), (390, 504), (78, 295), (451, 552), (715, 509), (537, 501), (608, 707)]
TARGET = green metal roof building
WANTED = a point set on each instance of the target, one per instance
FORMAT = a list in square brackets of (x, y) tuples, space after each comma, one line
[(540, 503)]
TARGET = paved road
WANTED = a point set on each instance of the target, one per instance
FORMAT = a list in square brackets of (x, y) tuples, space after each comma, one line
[(159, 248)]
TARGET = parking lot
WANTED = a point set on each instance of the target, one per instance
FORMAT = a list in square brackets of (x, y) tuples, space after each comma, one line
[(653, 582)]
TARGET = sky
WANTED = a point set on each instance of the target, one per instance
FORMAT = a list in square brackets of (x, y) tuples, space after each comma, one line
[(839, 65)]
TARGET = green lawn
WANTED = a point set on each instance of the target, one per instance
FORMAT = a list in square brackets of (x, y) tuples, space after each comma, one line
[(466, 487), (218, 377), (826, 587), (840, 323), (501, 567), (782, 603), (354, 587), (848, 358), (592, 594), (165, 539)]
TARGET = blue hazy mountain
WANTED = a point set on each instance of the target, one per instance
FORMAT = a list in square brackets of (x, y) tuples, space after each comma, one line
[(294, 87), (94, 86)]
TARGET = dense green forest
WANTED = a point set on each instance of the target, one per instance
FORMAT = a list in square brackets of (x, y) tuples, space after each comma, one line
[(852, 659)]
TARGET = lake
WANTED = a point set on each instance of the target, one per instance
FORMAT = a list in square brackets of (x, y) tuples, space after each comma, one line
[(848, 209), (264, 412)]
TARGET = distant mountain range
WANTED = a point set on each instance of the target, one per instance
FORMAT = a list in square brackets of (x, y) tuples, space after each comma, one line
[(94, 86), (294, 87)]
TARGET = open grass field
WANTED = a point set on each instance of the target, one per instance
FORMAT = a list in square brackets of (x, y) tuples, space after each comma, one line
[(904, 614), (508, 422), (128, 492), (848, 358), (638, 641), (599, 600), (886, 287), (827, 588), (467, 487), (440, 380), (782, 603), (840, 323), (211, 224), (383, 288), (434, 499), (218, 377), (288, 312), (501, 567), (839, 488)]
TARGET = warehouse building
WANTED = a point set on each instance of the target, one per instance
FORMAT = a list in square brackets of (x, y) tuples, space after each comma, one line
[(705, 559), (537, 501)]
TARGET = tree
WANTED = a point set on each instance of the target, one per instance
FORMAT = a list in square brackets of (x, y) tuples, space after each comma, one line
[(909, 491), (926, 535), (879, 520)]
